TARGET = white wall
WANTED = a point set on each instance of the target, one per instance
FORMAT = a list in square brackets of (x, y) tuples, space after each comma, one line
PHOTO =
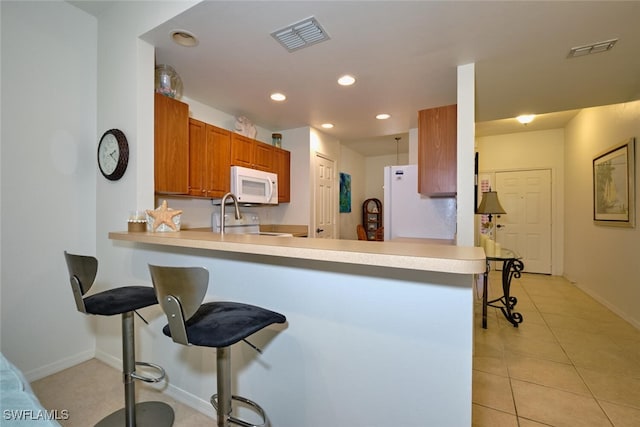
[(353, 163), (207, 114), (527, 151), (601, 260), (49, 139), (465, 225), (125, 100)]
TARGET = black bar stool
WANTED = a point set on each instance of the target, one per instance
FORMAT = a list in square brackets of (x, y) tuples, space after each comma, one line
[(124, 300), (181, 291)]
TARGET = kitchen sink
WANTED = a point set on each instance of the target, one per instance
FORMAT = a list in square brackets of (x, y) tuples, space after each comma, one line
[(248, 224)]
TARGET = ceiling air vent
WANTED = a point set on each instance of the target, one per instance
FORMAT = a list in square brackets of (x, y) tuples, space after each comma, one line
[(301, 34), (591, 48)]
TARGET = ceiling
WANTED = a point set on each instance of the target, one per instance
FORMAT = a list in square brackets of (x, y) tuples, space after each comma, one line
[(404, 56)]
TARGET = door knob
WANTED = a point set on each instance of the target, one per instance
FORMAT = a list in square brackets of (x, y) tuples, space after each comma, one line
[(499, 226), (319, 230)]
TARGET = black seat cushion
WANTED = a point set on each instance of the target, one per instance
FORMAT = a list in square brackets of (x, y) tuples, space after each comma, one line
[(221, 324), (120, 300)]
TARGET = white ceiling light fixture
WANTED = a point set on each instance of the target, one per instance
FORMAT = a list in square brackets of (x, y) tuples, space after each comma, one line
[(184, 38), (346, 80), (301, 34), (525, 119), (591, 48), (383, 116), (278, 97), (327, 125)]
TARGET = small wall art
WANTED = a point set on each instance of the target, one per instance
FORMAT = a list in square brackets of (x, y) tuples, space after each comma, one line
[(614, 186), (345, 192)]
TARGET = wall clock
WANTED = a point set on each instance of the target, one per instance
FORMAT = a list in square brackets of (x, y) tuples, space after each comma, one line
[(113, 154)]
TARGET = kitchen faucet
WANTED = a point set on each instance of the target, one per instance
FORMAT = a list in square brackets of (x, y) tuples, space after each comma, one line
[(223, 202)]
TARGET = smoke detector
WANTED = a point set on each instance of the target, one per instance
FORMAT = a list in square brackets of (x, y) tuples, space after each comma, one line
[(301, 34)]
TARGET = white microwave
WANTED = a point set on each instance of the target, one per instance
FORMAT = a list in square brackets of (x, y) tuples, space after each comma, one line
[(254, 186)]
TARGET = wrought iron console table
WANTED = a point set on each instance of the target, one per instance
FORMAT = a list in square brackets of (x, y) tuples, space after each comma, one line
[(512, 266)]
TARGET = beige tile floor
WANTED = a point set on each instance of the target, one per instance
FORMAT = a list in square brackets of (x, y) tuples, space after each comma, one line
[(572, 362)]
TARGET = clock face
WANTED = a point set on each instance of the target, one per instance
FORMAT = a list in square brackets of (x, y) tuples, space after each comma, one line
[(113, 154), (108, 154)]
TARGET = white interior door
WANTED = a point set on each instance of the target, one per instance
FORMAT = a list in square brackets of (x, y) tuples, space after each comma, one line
[(526, 227), (325, 198)]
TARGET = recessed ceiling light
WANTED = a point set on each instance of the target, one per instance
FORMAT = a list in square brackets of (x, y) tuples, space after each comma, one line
[(383, 116), (327, 125), (346, 80), (278, 97), (525, 118), (184, 38)]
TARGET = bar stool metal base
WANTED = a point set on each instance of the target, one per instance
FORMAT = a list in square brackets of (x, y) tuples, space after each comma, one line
[(151, 414), (238, 421), (221, 401)]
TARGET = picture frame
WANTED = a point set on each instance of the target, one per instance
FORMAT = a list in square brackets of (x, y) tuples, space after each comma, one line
[(614, 186), (345, 192)]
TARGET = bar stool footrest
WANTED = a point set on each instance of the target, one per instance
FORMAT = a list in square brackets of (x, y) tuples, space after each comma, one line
[(161, 373), (238, 421)]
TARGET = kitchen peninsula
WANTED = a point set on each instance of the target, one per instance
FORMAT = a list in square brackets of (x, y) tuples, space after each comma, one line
[(378, 333)]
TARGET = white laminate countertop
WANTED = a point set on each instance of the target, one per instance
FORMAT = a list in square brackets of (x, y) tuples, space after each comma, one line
[(427, 256)]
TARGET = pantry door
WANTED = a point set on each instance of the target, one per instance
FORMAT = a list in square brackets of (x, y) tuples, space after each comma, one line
[(526, 227), (325, 188)]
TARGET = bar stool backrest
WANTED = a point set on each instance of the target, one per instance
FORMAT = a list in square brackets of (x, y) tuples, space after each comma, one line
[(82, 273), (180, 292)]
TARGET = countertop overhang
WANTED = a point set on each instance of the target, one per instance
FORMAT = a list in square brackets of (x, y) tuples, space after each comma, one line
[(403, 255)]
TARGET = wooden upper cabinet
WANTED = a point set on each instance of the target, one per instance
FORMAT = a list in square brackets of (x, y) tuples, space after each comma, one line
[(241, 150), (171, 146), (219, 164), (251, 153), (437, 151), (282, 162), (209, 166), (197, 158), (263, 157)]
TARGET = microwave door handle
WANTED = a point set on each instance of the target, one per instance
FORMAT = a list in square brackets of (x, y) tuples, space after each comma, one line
[(270, 189)]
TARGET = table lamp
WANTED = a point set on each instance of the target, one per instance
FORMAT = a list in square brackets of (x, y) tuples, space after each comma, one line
[(488, 206)]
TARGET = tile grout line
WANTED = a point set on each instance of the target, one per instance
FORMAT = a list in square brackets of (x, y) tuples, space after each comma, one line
[(568, 357)]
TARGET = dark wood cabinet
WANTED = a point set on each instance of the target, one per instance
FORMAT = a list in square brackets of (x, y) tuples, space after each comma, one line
[(171, 146), (437, 151), (372, 218)]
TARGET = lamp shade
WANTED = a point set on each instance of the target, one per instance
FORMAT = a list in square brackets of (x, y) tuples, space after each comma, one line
[(490, 204)]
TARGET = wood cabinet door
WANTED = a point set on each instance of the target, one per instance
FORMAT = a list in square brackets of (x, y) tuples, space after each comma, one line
[(218, 161), (263, 157), (282, 162), (197, 158), (241, 150), (171, 146), (437, 151)]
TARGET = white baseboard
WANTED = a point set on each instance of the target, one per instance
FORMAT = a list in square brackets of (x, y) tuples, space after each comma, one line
[(191, 400), (60, 365), (611, 307), (109, 359)]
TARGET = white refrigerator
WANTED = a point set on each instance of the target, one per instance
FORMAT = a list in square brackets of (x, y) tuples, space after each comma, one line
[(407, 213)]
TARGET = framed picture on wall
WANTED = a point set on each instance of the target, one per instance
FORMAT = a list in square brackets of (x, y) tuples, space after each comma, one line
[(614, 186), (345, 192)]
